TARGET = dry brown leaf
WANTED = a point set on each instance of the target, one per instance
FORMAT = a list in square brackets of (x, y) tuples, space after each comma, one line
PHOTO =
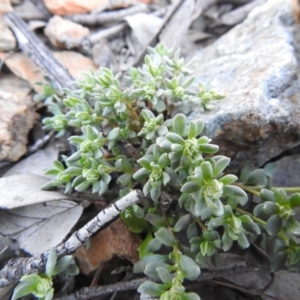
[(75, 62), (22, 66), (115, 240)]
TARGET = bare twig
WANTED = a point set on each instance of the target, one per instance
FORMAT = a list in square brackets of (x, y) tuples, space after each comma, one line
[(87, 42), (207, 275), (35, 49), (107, 17), (173, 8), (18, 267), (40, 143)]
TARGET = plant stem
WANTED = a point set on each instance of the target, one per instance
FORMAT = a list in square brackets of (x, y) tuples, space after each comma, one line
[(249, 189), (201, 225), (280, 234), (287, 189)]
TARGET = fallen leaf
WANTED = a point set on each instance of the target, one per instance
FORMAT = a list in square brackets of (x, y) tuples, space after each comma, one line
[(40, 226), (115, 240), (22, 190), (35, 163)]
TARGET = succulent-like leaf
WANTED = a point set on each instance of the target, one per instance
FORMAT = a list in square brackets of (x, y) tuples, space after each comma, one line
[(152, 289), (182, 223), (51, 262), (274, 225), (190, 187), (189, 267), (165, 236), (164, 275)]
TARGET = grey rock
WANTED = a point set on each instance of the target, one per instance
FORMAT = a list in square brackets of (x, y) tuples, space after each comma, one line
[(256, 65)]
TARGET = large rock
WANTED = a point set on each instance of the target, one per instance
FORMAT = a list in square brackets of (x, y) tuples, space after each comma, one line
[(256, 64)]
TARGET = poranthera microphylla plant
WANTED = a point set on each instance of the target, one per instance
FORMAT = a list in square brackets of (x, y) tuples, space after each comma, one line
[(132, 132)]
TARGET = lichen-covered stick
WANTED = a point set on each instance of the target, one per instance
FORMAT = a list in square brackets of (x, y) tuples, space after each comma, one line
[(16, 268)]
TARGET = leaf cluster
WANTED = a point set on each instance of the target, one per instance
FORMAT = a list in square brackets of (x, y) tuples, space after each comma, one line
[(41, 285), (128, 132)]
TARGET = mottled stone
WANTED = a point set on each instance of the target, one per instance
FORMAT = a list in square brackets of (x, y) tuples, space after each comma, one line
[(256, 65), (16, 119), (59, 31)]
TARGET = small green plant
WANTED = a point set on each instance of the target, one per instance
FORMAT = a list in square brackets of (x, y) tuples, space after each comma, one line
[(41, 286), (132, 132)]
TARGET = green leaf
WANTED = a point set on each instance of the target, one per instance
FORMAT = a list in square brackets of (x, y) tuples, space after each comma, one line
[(83, 186), (182, 223), (165, 236), (135, 224), (207, 170), (58, 165), (179, 124), (294, 200), (235, 191), (175, 138), (151, 269), (293, 227), (164, 160), (267, 195), (191, 296), (140, 266), (152, 289), (164, 275), (154, 245), (72, 270), (73, 171), (189, 267), (141, 174), (124, 179), (155, 193), (270, 208), (49, 294), (281, 197), (274, 225), (113, 134), (209, 148), (190, 187), (228, 179), (74, 157), (226, 241), (278, 261), (220, 166), (62, 264), (257, 178), (192, 230), (143, 248), (243, 241), (147, 115), (51, 262), (193, 130), (23, 289)]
